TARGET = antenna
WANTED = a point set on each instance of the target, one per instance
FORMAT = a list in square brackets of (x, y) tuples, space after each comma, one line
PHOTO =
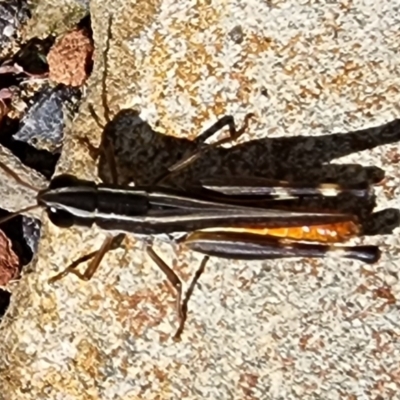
[(15, 176), (21, 211)]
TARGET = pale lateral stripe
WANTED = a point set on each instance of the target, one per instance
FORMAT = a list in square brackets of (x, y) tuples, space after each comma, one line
[(326, 190), (190, 217)]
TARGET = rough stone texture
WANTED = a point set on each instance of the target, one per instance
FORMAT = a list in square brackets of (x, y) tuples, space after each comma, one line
[(42, 125), (8, 261), (54, 17), (70, 57), (13, 14), (320, 78), (14, 196)]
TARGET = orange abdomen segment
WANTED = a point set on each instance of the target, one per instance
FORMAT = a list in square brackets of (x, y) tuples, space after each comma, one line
[(325, 233), (329, 233)]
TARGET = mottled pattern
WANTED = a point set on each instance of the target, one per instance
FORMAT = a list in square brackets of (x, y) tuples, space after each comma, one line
[(14, 196), (70, 58), (43, 124), (8, 261), (13, 13), (322, 80), (54, 17)]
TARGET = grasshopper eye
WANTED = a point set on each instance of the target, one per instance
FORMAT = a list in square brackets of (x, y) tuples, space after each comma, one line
[(60, 218)]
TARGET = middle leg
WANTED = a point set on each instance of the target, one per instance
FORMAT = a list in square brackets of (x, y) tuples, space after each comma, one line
[(181, 306), (203, 148)]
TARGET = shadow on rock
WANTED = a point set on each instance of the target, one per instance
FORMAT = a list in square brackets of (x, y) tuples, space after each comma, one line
[(142, 155)]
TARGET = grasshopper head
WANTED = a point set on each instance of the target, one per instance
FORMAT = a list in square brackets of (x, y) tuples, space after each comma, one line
[(67, 199)]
